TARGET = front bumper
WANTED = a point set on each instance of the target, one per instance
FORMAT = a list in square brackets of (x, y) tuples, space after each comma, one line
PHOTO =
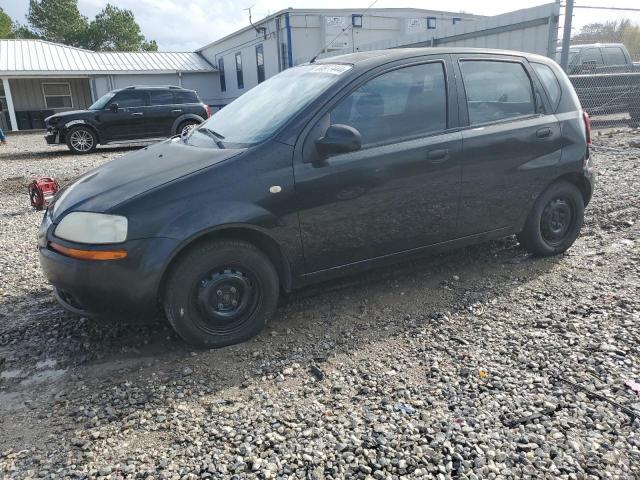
[(52, 136), (128, 287)]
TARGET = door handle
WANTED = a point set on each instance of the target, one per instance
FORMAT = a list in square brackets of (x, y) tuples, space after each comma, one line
[(176, 111), (439, 155), (543, 132), (137, 113)]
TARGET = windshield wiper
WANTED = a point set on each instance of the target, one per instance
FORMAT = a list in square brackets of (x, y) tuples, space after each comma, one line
[(214, 135)]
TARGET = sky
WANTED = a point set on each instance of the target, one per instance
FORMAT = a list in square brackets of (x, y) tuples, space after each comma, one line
[(186, 25)]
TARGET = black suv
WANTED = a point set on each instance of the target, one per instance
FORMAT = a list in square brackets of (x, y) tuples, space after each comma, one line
[(327, 168), (127, 115)]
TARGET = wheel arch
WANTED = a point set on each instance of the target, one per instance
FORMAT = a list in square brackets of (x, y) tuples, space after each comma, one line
[(580, 182), (184, 117), (263, 241), (67, 129)]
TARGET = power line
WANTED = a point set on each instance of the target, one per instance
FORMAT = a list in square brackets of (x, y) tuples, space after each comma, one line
[(342, 32)]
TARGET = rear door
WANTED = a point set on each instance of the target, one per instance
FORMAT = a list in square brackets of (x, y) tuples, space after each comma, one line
[(400, 191), (161, 113), (128, 122), (511, 142)]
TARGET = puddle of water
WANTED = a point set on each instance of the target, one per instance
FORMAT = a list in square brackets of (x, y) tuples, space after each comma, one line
[(8, 374), (46, 376), (46, 364)]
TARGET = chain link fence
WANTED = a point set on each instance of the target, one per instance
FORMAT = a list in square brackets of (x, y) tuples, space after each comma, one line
[(604, 63)]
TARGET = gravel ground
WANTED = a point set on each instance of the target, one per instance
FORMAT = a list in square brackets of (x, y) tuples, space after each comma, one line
[(479, 363)]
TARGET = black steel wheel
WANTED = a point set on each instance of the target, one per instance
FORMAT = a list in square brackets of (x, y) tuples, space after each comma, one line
[(555, 220), (81, 140), (220, 293)]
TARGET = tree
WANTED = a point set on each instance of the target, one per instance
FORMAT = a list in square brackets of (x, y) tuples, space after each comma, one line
[(6, 25), (57, 21), (115, 29), (617, 31)]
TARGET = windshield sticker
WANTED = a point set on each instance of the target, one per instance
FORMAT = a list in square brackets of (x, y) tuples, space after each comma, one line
[(332, 68)]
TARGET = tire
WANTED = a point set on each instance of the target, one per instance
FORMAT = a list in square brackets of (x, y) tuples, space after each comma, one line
[(555, 220), (81, 140), (224, 271), (186, 126)]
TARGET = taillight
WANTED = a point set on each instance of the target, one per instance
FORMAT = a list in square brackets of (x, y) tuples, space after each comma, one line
[(208, 109), (587, 126)]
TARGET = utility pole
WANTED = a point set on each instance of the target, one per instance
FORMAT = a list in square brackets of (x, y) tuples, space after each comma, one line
[(566, 34)]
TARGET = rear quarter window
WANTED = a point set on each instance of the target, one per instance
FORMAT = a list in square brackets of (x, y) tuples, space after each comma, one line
[(186, 97), (549, 82)]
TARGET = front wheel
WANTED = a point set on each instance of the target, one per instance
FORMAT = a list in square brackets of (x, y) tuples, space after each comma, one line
[(81, 140), (221, 293), (555, 220)]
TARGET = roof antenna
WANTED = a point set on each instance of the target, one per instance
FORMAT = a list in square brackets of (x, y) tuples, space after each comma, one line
[(343, 31), (261, 30)]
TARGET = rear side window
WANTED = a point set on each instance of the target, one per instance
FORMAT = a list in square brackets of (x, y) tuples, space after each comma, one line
[(397, 105), (592, 55), (130, 98), (160, 97), (549, 81), (496, 90), (186, 96), (614, 56)]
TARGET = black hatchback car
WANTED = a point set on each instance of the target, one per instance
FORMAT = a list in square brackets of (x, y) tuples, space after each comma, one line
[(128, 115), (326, 168)]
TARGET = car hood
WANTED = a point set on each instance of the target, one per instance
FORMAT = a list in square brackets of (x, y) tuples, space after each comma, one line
[(70, 115), (135, 173)]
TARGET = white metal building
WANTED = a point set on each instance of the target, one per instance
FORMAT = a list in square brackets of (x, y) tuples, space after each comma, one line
[(40, 78), (294, 36)]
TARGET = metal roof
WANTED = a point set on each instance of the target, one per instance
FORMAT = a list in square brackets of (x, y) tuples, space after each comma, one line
[(38, 57)]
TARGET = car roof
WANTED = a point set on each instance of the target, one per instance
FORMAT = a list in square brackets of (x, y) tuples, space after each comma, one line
[(389, 55), (153, 87), (592, 45)]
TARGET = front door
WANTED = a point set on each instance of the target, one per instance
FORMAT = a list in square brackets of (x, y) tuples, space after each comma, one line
[(400, 190), (128, 122), (511, 146)]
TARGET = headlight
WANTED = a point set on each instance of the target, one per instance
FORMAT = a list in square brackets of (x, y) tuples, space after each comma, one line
[(86, 227)]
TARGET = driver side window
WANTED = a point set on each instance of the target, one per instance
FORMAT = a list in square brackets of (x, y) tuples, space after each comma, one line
[(398, 105)]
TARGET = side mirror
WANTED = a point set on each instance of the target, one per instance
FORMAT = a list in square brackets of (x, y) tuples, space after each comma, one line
[(339, 139), (113, 107)]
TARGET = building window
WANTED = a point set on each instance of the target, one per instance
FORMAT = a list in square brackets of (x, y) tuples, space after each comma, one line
[(356, 20), (223, 81), (456, 20), (57, 95), (260, 62), (431, 23), (239, 70)]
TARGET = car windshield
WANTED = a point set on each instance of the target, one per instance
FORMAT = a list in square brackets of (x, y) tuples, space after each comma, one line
[(257, 114), (102, 101)]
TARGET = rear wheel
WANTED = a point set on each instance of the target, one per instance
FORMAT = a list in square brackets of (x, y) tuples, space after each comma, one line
[(221, 293), (555, 220), (81, 140), (185, 127)]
